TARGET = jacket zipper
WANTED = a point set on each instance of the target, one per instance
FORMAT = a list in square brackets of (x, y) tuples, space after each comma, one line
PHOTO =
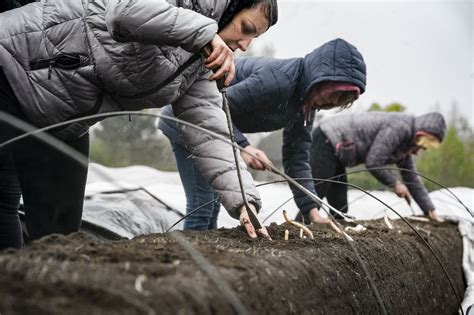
[(68, 62), (62, 61)]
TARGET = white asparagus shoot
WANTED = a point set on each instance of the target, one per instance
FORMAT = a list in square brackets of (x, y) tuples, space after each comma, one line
[(387, 221), (299, 225)]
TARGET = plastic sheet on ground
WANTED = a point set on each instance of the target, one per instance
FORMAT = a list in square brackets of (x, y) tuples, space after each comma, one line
[(467, 231), (129, 213), (166, 187)]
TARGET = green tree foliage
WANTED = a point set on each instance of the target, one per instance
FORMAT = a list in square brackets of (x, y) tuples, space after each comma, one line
[(392, 107), (363, 179), (375, 107), (452, 164), (395, 107)]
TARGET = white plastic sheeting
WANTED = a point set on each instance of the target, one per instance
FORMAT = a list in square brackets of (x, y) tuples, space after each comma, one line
[(117, 199), (467, 231), (166, 186), (129, 213)]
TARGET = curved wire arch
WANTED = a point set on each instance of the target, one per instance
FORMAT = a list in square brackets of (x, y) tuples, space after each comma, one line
[(40, 134), (398, 214)]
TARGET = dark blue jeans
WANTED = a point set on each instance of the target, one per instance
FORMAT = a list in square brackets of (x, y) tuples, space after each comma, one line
[(51, 183), (197, 190)]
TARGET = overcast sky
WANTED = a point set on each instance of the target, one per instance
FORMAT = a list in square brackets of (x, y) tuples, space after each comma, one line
[(418, 53)]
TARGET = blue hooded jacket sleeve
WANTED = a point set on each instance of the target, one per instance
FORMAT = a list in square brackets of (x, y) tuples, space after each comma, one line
[(241, 94), (260, 86), (240, 138), (296, 153)]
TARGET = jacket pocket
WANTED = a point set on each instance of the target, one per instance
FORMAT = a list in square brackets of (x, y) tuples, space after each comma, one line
[(62, 61)]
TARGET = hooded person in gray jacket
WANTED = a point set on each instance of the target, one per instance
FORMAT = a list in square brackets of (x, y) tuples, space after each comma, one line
[(68, 59), (269, 94), (375, 139)]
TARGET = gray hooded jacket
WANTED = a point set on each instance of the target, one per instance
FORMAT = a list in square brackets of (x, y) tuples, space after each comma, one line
[(66, 59), (382, 138)]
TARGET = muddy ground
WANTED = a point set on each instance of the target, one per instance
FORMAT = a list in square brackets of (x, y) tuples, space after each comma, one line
[(80, 274)]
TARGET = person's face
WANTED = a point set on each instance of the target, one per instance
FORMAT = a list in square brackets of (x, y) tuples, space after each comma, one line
[(244, 27), (319, 100), (424, 141), (416, 149)]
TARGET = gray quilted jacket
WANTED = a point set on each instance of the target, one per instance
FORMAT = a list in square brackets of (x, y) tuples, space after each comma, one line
[(66, 59), (382, 138)]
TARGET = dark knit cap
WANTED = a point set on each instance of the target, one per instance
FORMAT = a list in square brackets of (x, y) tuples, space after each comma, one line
[(432, 123)]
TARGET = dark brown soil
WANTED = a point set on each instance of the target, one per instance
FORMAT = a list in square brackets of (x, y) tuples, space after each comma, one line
[(79, 274)]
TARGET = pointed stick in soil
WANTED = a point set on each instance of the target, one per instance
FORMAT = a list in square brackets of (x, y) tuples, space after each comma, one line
[(287, 233), (299, 225)]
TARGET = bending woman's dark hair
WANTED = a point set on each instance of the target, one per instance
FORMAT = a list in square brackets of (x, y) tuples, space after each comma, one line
[(269, 7)]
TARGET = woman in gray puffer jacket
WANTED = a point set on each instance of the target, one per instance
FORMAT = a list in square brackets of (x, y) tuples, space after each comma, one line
[(377, 140), (67, 59)]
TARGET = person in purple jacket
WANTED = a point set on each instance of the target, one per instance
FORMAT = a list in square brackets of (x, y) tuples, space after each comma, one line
[(269, 94)]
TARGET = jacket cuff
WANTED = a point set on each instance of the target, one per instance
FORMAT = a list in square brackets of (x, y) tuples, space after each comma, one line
[(239, 137), (204, 37), (244, 143), (234, 210)]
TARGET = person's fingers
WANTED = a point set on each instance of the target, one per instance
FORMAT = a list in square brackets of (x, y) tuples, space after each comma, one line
[(218, 45), (246, 160), (319, 220), (264, 160), (267, 163), (406, 195), (316, 218), (230, 74), (216, 63), (264, 233), (224, 68), (434, 216), (220, 73), (245, 222), (256, 164)]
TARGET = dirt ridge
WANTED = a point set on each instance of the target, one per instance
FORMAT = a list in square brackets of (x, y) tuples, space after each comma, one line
[(153, 274)]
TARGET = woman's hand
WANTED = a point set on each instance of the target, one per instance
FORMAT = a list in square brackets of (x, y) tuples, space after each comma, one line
[(261, 164), (433, 215), (249, 228), (402, 191), (221, 61), (316, 218)]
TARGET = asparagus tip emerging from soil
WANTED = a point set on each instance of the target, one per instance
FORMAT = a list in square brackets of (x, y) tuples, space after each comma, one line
[(387, 221)]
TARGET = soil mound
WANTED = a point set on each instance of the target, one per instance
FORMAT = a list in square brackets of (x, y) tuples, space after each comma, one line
[(79, 273)]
